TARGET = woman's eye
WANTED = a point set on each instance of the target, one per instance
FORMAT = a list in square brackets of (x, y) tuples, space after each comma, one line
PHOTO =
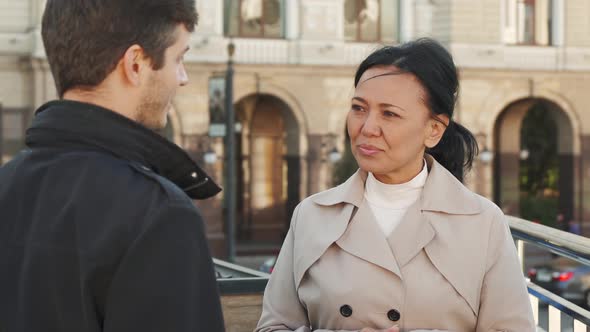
[(357, 108), (390, 114)]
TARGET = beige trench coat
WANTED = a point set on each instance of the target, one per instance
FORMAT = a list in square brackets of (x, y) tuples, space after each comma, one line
[(451, 265)]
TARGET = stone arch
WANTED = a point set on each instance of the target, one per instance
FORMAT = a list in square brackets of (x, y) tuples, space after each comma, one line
[(290, 100), (498, 102), (270, 166), (506, 142)]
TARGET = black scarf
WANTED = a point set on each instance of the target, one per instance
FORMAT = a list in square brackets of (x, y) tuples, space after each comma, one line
[(70, 124)]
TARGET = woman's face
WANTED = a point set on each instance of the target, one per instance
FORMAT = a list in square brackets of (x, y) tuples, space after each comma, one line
[(390, 125)]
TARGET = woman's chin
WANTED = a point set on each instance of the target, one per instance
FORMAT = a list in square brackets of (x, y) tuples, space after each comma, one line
[(370, 168)]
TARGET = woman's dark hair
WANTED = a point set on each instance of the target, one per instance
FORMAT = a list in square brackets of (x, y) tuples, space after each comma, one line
[(433, 65)]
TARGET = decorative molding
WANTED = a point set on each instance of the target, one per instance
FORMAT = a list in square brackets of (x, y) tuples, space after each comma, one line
[(303, 48), (280, 51), (494, 56), (338, 53)]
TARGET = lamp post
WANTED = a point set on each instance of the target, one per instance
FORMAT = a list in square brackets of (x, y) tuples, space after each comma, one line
[(230, 154)]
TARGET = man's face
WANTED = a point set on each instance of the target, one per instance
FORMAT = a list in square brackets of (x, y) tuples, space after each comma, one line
[(156, 98)]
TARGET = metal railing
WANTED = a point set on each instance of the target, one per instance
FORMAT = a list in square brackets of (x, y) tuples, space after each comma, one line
[(241, 292), (234, 279), (571, 246)]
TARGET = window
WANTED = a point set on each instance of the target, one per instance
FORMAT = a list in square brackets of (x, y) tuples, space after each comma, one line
[(370, 20), (529, 22), (256, 18)]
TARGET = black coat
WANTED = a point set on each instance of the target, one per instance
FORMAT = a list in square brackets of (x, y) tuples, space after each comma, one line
[(96, 233)]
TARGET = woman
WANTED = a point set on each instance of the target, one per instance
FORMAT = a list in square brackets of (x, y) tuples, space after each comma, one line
[(402, 242)]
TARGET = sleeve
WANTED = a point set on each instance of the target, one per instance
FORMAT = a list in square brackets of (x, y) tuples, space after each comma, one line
[(165, 281), (504, 302), (282, 311)]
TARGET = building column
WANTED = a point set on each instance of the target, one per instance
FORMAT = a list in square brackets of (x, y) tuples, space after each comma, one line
[(291, 15), (320, 168), (406, 20)]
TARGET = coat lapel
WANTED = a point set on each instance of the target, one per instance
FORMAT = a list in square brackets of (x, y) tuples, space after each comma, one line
[(364, 239), (444, 198), (315, 235), (446, 259), (412, 234), (324, 221)]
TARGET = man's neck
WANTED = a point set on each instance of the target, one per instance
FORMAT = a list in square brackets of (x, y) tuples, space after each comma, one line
[(101, 99)]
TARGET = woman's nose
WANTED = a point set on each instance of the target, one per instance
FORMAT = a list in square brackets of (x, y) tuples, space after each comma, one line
[(371, 126)]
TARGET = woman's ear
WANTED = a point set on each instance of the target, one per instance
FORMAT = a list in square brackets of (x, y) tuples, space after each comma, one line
[(437, 125)]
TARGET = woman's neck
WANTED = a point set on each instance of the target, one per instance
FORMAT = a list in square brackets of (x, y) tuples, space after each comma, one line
[(402, 175)]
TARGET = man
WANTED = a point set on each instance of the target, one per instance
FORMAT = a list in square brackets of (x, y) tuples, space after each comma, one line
[(97, 231)]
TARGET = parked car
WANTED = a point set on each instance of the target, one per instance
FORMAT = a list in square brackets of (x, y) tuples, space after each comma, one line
[(564, 277)]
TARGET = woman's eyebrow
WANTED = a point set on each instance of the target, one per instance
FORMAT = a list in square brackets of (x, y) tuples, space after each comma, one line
[(382, 105), (359, 99), (391, 105)]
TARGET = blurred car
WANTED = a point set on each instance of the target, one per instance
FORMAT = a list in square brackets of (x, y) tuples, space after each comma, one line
[(565, 278), (268, 265)]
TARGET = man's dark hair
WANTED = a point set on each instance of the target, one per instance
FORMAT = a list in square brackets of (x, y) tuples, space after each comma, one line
[(85, 39)]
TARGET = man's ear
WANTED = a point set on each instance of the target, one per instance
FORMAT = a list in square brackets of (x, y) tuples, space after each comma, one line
[(133, 64), (436, 129)]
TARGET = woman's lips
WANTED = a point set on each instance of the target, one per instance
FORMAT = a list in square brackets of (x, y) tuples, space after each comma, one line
[(368, 150)]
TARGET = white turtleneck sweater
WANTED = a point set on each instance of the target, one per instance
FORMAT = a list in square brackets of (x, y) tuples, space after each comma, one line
[(389, 202)]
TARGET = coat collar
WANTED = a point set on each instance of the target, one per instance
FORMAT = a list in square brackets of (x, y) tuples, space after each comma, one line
[(392, 252), (362, 230), (442, 192), (74, 125)]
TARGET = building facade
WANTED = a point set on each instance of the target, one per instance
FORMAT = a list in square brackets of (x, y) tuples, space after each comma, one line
[(294, 67)]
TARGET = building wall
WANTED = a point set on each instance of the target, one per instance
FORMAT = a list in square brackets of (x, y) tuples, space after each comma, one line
[(312, 68)]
